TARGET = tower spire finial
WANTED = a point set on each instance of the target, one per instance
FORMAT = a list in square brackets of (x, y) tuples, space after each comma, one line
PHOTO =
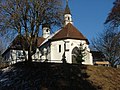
[(67, 14), (67, 9), (66, 2)]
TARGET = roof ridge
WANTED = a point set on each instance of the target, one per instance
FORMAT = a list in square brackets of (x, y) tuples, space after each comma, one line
[(67, 30)]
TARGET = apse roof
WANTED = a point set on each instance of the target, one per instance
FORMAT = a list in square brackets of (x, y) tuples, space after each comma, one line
[(69, 32)]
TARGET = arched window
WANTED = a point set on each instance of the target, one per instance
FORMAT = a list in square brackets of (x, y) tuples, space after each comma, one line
[(74, 51)]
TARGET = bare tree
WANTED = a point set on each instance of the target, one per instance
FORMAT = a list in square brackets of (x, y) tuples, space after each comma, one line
[(1, 46), (108, 43), (1, 49), (111, 36), (25, 17)]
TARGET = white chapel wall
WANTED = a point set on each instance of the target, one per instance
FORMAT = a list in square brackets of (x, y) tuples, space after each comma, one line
[(56, 56)]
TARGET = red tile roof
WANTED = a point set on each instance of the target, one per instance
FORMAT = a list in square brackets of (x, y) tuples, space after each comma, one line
[(69, 32), (40, 40), (16, 42)]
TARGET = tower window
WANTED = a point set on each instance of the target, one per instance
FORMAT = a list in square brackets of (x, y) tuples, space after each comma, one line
[(47, 30), (59, 48), (68, 18)]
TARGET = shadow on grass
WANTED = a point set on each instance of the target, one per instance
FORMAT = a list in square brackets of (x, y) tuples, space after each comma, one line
[(46, 76)]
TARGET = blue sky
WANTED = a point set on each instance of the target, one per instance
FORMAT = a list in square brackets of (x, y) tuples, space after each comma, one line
[(89, 15)]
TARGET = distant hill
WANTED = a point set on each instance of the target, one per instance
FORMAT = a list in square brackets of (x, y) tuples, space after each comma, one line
[(52, 76)]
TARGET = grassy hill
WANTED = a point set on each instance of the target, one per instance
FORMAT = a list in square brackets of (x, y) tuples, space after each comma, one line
[(51, 76), (106, 78)]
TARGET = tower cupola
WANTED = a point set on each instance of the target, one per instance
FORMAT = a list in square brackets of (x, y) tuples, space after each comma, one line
[(67, 15), (45, 30)]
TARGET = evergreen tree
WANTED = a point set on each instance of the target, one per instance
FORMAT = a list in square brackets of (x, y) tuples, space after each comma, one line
[(80, 54)]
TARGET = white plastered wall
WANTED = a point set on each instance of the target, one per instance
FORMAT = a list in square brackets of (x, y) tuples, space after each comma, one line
[(70, 44)]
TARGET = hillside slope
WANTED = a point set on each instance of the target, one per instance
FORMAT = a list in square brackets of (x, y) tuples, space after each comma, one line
[(106, 78), (51, 76)]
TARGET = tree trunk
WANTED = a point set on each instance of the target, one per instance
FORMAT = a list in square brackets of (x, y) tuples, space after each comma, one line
[(24, 53), (29, 56), (30, 51)]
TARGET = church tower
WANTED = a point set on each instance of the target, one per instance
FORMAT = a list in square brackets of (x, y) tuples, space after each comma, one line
[(67, 15), (45, 30)]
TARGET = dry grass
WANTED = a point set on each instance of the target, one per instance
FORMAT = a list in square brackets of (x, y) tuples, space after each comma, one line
[(106, 78)]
